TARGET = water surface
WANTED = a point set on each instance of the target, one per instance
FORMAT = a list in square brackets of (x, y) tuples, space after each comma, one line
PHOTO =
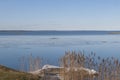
[(52, 47)]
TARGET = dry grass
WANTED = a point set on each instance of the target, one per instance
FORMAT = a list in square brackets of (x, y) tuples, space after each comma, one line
[(108, 68), (30, 63), (11, 74)]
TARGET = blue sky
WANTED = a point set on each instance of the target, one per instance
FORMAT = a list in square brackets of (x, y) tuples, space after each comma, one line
[(60, 14)]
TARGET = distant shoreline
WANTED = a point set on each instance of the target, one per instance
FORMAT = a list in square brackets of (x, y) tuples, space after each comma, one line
[(56, 32)]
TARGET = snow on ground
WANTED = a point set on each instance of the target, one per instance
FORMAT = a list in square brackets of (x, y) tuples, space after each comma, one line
[(49, 66), (45, 67)]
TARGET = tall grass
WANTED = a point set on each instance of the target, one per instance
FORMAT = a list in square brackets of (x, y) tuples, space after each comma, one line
[(107, 68), (30, 63)]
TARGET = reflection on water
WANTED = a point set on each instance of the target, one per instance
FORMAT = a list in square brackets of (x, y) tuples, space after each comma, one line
[(52, 47)]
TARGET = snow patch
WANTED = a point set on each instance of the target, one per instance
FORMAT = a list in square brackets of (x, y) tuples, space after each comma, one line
[(49, 66), (45, 67)]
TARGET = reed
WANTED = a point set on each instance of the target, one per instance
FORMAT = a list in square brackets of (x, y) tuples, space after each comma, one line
[(108, 68), (73, 62), (30, 63)]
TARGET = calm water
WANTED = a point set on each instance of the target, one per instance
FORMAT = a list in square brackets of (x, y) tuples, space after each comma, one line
[(12, 48)]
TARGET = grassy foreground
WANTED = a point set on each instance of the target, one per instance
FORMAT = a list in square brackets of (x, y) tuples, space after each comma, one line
[(71, 64), (11, 74)]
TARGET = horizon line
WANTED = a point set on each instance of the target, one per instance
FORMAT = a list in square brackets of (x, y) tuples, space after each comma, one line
[(56, 30)]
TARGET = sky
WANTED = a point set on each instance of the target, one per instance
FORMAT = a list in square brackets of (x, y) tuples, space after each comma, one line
[(59, 14)]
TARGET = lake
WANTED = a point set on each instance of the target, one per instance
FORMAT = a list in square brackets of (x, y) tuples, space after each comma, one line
[(52, 47)]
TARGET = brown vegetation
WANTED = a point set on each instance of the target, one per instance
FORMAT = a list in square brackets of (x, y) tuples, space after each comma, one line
[(107, 68), (11, 74), (72, 67)]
